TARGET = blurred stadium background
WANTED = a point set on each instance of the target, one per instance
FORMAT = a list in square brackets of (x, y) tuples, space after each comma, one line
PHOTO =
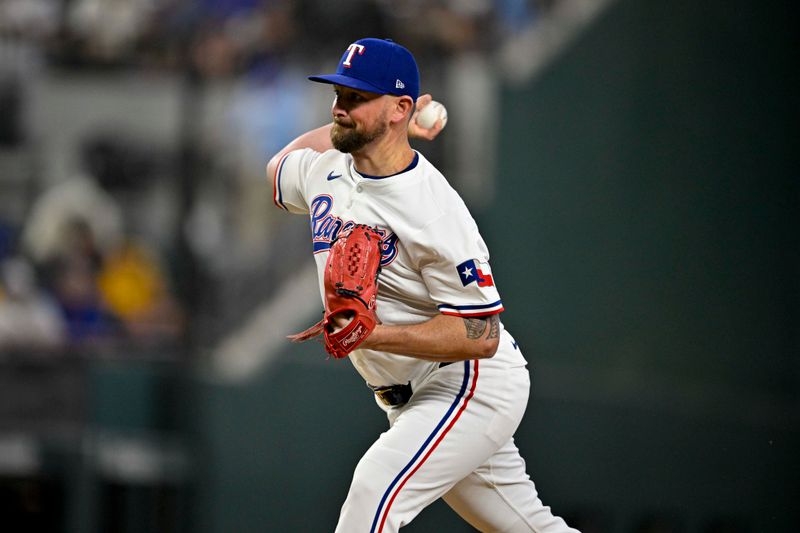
[(633, 165)]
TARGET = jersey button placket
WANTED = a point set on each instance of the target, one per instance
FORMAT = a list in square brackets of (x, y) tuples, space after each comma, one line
[(357, 189)]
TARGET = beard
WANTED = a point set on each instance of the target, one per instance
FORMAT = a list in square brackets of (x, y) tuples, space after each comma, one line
[(347, 139)]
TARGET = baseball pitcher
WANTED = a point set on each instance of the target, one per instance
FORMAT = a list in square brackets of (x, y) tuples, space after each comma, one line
[(411, 300)]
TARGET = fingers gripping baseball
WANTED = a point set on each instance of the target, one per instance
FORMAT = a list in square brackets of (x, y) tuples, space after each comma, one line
[(351, 287), (428, 120)]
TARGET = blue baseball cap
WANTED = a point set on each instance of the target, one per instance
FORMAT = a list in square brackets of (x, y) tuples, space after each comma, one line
[(376, 65)]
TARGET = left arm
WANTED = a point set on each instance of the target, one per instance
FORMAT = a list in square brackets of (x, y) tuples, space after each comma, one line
[(443, 338)]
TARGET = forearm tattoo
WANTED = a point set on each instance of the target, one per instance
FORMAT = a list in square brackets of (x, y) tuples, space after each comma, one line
[(494, 327), (476, 327)]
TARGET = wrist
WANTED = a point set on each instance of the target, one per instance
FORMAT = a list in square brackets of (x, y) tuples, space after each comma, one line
[(373, 341)]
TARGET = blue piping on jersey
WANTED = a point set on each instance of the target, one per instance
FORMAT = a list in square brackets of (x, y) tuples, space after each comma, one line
[(278, 181)]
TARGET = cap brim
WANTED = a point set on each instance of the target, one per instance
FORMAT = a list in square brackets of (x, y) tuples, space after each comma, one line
[(347, 81)]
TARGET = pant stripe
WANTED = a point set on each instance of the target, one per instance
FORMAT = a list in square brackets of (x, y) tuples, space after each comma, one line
[(396, 485)]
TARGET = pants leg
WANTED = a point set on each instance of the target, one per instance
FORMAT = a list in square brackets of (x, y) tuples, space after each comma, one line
[(452, 440), (434, 441), (499, 497)]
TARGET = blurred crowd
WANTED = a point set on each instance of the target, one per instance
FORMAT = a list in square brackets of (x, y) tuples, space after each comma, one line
[(73, 276), (228, 37), (76, 271)]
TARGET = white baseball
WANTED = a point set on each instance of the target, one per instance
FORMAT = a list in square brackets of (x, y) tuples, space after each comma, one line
[(431, 113)]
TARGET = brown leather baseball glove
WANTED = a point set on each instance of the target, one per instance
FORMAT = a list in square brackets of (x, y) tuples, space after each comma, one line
[(351, 288)]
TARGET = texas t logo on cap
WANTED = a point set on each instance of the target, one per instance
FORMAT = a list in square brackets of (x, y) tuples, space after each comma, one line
[(352, 49), (376, 65)]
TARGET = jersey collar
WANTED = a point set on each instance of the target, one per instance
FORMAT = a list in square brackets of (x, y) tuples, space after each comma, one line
[(409, 167)]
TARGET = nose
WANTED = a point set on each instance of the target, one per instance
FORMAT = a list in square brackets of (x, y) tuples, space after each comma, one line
[(336, 109)]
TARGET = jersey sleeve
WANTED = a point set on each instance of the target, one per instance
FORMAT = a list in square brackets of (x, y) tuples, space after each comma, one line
[(455, 267), (289, 182)]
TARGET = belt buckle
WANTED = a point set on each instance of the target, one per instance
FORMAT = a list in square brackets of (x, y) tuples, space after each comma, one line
[(393, 395)]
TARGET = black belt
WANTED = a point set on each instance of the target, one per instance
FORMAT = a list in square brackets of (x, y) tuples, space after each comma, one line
[(393, 395)]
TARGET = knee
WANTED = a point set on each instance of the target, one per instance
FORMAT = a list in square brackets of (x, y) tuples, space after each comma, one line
[(369, 481)]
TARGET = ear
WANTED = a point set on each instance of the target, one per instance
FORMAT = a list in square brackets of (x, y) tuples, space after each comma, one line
[(402, 110)]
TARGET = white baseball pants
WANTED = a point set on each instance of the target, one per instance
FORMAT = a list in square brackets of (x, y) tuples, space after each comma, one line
[(453, 440)]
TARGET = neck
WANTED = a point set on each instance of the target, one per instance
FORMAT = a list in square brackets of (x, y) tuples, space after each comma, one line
[(385, 156)]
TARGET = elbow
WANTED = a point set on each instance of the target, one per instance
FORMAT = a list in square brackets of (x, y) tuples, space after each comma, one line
[(487, 348)]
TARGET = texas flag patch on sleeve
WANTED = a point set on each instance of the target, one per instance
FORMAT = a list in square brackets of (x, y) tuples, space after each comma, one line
[(473, 271)]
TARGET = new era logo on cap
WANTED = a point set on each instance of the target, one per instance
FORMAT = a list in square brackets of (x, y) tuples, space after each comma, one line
[(376, 65)]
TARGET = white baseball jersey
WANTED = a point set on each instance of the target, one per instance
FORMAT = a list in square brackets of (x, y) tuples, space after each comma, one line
[(453, 439), (433, 259)]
